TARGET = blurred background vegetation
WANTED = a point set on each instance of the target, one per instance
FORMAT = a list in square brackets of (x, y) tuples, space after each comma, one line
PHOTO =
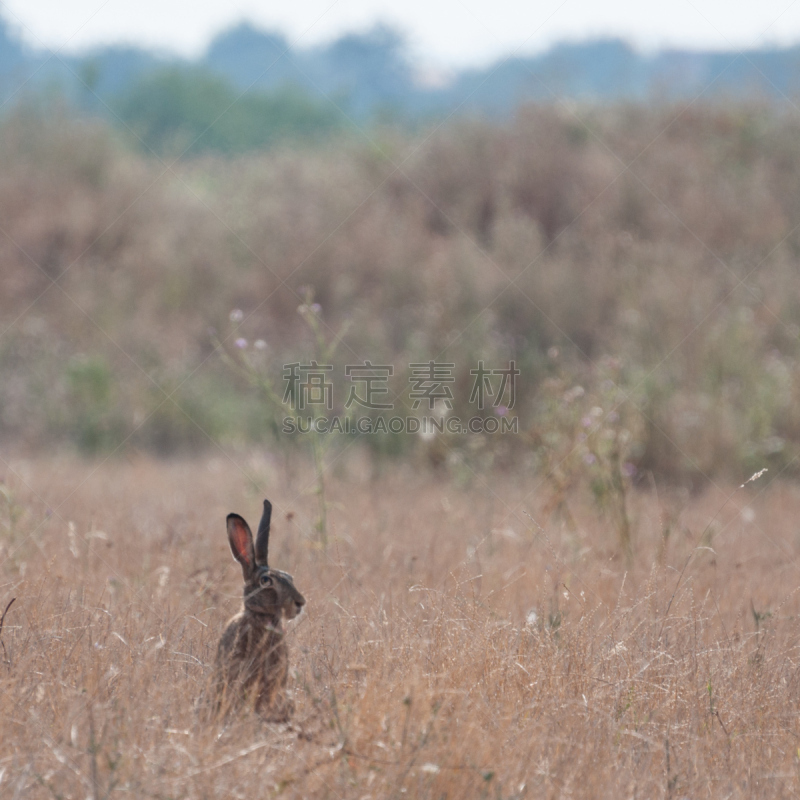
[(635, 252)]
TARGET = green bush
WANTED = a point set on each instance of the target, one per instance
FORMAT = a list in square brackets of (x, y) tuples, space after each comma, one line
[(186, 111), (93, 416)]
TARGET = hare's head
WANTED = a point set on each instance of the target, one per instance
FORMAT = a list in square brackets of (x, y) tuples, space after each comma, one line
[(266, 591)]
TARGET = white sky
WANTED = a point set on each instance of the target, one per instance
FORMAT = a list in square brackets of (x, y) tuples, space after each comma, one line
[(445, 32)]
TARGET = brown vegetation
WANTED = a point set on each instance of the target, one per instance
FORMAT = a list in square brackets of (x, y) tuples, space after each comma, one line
[(552, 614), (663, 239), (451, 647)]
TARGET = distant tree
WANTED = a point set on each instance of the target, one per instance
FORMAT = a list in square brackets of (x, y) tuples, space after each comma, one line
[(13, 54), (250, 58), (361, 72), (110, 70), (182, 110), (371, 70)]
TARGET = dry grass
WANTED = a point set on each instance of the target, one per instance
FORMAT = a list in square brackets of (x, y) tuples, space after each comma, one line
[(450, 648)]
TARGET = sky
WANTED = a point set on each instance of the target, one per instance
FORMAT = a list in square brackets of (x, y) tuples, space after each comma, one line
[(448, 33)]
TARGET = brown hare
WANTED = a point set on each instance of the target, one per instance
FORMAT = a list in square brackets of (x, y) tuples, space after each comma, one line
[(252, 658)]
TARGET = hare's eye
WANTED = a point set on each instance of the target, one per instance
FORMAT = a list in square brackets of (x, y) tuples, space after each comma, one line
[(265, 580)]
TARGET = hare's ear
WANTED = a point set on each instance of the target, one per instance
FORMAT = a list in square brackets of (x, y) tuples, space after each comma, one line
[(262, 538), (241, 541)]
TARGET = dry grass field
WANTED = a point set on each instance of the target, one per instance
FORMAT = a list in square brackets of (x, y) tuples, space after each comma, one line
[(541, 615), (450, 648)]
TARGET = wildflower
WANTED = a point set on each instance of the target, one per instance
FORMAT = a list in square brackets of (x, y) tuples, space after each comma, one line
[(260, 344), (754, 477), (426, 434), (573, 394), (587, 422), (501, 411), (237, 315), (163, 576), (241, 343), (589, 459), (316, 308), (628, 469)]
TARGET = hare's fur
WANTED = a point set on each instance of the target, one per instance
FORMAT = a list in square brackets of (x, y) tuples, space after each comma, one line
[(252, 663)]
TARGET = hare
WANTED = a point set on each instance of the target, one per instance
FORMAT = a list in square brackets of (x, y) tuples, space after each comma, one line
[(252, 661)]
